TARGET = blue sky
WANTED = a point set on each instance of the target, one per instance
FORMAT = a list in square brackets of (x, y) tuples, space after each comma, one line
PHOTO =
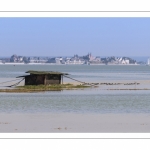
[(69, 36)]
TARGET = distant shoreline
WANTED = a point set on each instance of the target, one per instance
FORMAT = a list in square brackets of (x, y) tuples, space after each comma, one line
[(71, 64)]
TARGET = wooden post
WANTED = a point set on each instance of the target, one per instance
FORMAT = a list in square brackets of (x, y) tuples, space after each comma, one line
[(44, 79), (62, 78)]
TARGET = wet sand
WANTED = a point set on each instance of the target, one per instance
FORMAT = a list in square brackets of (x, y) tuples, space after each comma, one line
[(74, 123), (101, 84)]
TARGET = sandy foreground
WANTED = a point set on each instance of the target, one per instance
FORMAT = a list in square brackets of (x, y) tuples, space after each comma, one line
[(74, 123)]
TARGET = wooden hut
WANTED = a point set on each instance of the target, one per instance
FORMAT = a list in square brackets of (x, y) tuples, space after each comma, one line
[(43, 77)]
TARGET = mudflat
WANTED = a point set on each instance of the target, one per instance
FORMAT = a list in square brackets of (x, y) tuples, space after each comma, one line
[(74, 123), (101, 85)]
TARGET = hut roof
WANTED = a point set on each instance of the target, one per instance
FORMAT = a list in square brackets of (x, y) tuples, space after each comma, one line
[(22, 76), (46, 72), (32, 72)]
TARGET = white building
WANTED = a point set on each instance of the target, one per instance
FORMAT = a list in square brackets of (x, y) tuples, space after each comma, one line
[(125, 61), (54, 60), (76, 60), (148, 61)]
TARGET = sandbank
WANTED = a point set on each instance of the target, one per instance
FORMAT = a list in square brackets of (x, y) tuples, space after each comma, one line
[(74, 123), (100, 84)]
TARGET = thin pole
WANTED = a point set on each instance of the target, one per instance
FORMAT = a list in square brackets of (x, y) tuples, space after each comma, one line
[(62, 78), (92, 84)]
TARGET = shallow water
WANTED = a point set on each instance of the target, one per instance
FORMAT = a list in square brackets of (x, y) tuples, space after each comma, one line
[(86, 72), (93, 100), (77, 101)]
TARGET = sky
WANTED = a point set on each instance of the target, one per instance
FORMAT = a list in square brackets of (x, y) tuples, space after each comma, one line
[(69, 36)]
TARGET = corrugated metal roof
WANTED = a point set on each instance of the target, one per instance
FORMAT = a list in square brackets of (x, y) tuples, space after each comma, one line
[(42, 73), (46, 72), (22, 76)]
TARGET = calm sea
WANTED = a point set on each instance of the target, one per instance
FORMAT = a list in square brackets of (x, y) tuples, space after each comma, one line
[(91, 100)]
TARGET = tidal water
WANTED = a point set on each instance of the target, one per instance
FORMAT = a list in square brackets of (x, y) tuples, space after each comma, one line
[(91, 100)]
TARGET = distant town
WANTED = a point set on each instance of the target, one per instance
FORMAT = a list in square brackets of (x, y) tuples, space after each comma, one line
[(80, 60)]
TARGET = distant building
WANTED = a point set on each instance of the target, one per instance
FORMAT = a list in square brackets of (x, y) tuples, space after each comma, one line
[(33, 59), (20, 59), (128, 60), (14, 58), (96, 60), (57, 60), (76, 60)]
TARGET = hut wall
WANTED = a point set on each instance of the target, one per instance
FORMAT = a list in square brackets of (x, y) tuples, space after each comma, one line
[(42, 79), (52, 79), (34, 79)]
